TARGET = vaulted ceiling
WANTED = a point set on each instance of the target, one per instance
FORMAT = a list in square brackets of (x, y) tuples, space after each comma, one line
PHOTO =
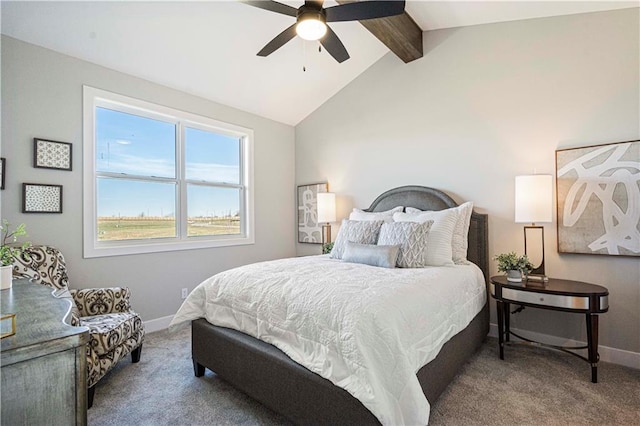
[(208, 48)]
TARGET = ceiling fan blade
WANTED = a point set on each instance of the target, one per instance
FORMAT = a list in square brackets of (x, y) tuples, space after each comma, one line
[(334, 46), (358, 11), (273, 6), (278, 41)]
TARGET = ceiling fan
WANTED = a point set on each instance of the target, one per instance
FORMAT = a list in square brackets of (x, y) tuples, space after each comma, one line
[(312, 18)]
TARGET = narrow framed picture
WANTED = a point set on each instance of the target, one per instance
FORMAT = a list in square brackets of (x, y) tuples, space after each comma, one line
[(41, 198), (52, 154), (3, 168), (309, 231)]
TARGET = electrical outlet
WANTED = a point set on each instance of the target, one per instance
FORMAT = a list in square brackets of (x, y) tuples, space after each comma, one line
[(185, 292)]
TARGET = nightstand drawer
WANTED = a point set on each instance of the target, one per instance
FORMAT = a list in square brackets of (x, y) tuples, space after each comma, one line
[(542, 299)]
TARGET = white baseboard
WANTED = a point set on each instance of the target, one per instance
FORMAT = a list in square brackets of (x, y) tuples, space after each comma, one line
[(607, 354), (159, 324)]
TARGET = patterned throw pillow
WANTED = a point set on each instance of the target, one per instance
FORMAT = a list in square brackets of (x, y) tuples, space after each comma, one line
[(412, 238), (439, 247), (361, 232)]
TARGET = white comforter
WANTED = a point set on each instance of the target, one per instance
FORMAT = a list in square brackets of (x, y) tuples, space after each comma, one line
[(366, 329)]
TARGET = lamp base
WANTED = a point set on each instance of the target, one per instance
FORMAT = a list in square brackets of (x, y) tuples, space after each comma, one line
[(538, 273), (536, 280), (326, 234)]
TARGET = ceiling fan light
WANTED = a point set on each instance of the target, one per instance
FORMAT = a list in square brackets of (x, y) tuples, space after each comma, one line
[(311, 29)]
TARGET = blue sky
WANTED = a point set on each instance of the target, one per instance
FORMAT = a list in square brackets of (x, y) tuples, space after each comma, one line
[(140, 146)]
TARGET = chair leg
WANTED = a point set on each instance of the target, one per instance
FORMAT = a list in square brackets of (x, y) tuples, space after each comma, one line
[(90, 393), (135, 354)]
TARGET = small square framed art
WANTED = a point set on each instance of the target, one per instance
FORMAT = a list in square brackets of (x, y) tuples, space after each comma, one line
[(49, 154), (41, 198)]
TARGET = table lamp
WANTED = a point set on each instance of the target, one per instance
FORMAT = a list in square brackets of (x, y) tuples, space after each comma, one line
[(326, 214), (534, 205)]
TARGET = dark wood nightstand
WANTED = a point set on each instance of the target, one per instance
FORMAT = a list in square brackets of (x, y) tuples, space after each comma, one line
[(559, 295)]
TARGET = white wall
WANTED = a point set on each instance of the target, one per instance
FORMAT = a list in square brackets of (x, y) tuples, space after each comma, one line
[(484, 104), (42, 97)]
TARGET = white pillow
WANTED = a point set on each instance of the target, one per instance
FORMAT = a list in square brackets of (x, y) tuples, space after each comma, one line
[(460, 239), (412, 239), (387, 216), (355, 231), (439, 249), (370, 254)]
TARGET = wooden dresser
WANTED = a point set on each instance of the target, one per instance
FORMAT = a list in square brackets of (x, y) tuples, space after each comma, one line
[(44, 372)]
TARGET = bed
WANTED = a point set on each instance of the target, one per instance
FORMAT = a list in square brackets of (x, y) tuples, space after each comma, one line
[(268, 375)]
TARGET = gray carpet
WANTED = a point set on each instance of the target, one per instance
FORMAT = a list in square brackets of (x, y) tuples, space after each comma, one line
[(532, 386)]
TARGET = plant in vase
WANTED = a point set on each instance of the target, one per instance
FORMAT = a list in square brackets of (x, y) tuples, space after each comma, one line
[(513, 265), (326, 248), (9, 250)]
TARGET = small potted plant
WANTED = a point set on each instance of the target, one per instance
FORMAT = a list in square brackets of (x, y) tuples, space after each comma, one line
[(327, 247), (9, 250), (515, 266)]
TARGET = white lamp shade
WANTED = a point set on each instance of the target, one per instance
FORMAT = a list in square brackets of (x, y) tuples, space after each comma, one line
[(534, 198), (326, 207)]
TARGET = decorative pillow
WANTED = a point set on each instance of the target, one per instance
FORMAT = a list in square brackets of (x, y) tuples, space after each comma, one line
[(387, 215), (412, 238), (460, 239), (371, 254), (439, 249), (355, 231), (460, 242)]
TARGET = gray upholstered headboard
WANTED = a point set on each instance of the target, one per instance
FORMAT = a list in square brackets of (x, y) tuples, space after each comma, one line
[(424, 198)]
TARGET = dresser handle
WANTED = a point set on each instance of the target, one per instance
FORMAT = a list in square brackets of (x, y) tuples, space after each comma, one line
[(542, 299)]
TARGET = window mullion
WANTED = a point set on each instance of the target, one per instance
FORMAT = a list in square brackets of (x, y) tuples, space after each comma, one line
[(243, 181), (134, 177), (182, 185)]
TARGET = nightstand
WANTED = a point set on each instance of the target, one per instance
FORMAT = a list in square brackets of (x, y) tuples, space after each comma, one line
[(559, 295)]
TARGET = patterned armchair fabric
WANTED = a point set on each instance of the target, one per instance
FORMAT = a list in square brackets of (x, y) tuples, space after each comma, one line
[(115, 329)]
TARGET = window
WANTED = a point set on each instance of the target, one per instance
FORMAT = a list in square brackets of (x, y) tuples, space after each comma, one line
[(159, 179)]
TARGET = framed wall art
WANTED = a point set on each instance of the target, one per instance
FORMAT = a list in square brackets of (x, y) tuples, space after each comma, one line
[(52, 154), (41, 198), (3, 169), (309, 231), (598, 194)]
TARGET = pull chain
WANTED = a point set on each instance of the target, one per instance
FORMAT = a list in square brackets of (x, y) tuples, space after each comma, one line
[(304, 56)]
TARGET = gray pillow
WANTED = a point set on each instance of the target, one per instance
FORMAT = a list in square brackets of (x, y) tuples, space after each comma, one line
[(370, 254), (412, 239), (362, 232)]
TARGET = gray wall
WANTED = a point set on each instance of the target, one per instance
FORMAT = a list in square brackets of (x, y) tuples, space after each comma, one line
[(484, 104), (42, 97)]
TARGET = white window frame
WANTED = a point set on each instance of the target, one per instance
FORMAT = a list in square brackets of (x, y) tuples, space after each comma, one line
[(93, 98)]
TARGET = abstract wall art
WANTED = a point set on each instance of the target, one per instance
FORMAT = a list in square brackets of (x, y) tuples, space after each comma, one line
[(598, 194), (308, 229)]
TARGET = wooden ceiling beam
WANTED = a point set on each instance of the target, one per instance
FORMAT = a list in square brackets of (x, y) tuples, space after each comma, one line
[(399, 33)]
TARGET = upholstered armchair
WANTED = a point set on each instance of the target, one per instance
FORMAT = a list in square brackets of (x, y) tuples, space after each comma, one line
[(115, 329)]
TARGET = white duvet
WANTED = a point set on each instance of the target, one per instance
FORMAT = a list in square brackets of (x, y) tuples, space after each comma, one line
[(366, 329)]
